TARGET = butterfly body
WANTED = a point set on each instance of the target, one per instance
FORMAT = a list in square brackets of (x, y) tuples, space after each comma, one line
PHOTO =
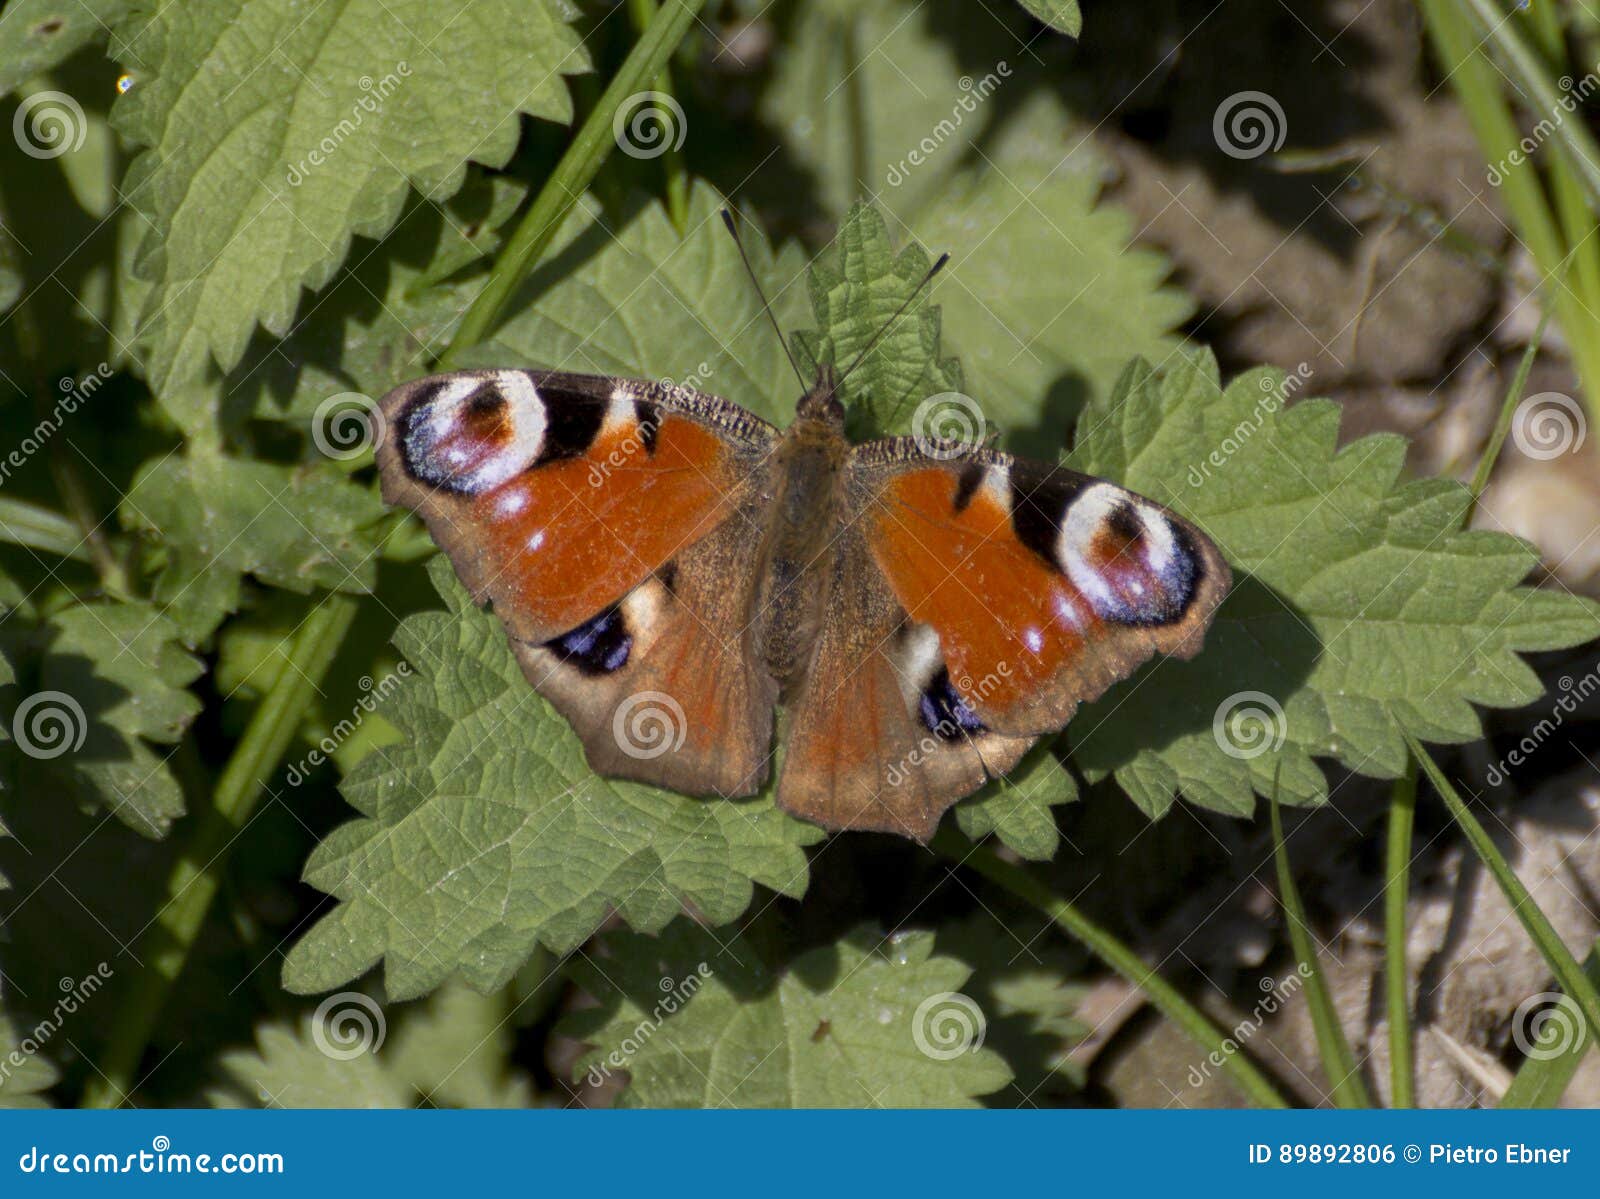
[(671, 569)]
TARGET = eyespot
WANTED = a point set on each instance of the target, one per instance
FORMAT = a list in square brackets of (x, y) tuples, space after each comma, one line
[(474, 432)]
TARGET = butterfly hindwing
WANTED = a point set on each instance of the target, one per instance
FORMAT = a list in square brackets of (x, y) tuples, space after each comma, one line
[(878, 737), (602, 519)]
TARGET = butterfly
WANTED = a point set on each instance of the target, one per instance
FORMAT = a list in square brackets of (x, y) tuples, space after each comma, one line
[(671, 570)]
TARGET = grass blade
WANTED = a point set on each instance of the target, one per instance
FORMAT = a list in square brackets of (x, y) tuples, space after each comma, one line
[(1569, 974), (1162, 994), (1543, 1078), (1338, 1062)]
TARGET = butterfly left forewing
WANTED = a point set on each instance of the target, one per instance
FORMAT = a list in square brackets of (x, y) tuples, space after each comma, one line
[(609, 524)]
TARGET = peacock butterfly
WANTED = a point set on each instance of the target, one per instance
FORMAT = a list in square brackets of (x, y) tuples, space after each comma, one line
[(923, 611)]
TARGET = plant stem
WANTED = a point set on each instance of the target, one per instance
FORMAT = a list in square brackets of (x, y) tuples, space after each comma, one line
[(1396, 976), (195, 877), (1502, 424), (577, 168), (1162, 994)]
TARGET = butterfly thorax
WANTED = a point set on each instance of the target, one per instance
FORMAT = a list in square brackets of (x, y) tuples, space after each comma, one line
[(805, 509)]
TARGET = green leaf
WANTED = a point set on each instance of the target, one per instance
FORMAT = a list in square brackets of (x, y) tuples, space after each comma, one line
[(38, 35), (288, 1069), (1354, 593), (112, 681), (453, 1049), (1061, 15), (25, 1078), (214, 518), (485, 833), (701, 1020), (857, 286), (643, 300), (450, 1050), (1045, 299), (278, 132), (1018, 808)]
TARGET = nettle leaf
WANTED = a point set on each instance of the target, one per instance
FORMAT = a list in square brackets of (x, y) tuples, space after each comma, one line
[(1045, 299), (450, 1050), (214, 518), (1017, 808), (288, 1068), (857, 286), (1061, 15), (485, 833), (697, 1019), (644, 301), (22, 1085), (276, 132), (112, 681), (1358, 607), (388, 314), (41, 34)]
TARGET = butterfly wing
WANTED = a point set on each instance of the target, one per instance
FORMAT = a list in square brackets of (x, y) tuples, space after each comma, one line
[(610, 525), (877, 739), (1045, 586)]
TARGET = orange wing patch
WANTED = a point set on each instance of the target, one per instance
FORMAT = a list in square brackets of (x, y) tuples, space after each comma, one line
[(1008, 624), (574, 535)]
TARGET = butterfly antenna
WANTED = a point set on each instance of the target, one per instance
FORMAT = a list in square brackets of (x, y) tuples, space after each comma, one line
[(727, 219), (898, 313)]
